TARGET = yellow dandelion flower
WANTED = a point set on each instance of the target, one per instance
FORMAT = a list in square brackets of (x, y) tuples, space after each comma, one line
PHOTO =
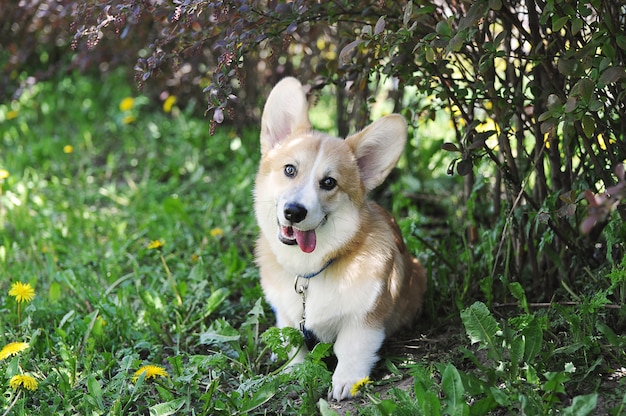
[(155, 244), (129, 119), (217, 232), (13, 348), (12, 114), (169, 103), (4, 174), (68, 148), (23, 380), (127, 104), (22, 292), (151, 371), (358, 386)]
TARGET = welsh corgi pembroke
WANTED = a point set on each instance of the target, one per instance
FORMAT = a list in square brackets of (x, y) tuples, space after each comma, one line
[(332, 263)]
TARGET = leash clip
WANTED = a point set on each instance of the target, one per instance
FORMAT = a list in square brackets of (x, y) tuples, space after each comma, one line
[(301, 290)]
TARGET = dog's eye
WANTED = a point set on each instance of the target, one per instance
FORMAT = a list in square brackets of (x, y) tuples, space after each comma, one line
[(328, 183), (290, 171)]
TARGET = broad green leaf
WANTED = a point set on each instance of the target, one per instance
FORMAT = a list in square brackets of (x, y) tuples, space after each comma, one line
[(518, 293), (500, 396), (380, 25), (408, 11), (450, 147), (220, 331), (464, 167), (215, 300), (584, 88), (94, 389), (54, 293), (611, 75), (481, 328), (577, 25), (443, 28), (474, 14), (325, 409), (533, 338), (427, 400), (168, 408), (345, 54), (452, 386), (582, 405), (558, 23), (430, 55), (610, 335), (263, 395), (387, 406), (176, 209), (589, 125)]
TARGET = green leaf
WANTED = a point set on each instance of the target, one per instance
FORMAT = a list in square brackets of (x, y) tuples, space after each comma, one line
[(610, 335), (168, 408), (450, 147), (611, 75), (54, 293), (387, 407), (474, 14), (500, 396), (408, 11), (452, 386), (324, 407), (427, 400), (518, 293), (430, 55), (219, 332), (263, 395), (380, 25), (533, 338), (588, 124), (345, 55), (456, 43), (464, 167), (582, 405), (584, 88), (176, 208), (558, 23), (94, 389), (577, 25), (443, 28), (481, 328)]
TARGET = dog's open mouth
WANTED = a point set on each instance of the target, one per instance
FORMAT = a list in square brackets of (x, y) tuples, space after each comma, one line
[(306, 240)]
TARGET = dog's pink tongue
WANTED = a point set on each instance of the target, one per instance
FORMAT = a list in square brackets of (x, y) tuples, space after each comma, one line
[(306, 240)]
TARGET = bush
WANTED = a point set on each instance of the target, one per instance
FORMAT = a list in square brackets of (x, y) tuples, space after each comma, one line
[(534, 92)]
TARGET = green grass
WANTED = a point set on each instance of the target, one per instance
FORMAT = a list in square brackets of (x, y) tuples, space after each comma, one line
[(76, 224)]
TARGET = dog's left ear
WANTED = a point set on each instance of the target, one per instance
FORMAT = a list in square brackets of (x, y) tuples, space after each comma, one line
[(378, 147), (286, 112)]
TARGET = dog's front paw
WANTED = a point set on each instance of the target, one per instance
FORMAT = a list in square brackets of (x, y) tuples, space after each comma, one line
[(343, 386)]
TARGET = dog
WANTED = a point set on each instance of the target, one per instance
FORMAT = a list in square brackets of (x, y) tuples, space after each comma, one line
[(355, 281)]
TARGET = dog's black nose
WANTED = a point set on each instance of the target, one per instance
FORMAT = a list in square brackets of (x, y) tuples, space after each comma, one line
[(294, 212)]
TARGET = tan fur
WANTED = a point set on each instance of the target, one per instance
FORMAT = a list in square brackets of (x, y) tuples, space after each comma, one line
[(373, 286)]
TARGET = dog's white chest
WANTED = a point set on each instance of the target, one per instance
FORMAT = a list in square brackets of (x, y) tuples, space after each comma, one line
[(331, 306)]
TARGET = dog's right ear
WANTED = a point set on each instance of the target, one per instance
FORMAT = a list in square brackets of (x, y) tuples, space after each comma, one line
[(285, 113)]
